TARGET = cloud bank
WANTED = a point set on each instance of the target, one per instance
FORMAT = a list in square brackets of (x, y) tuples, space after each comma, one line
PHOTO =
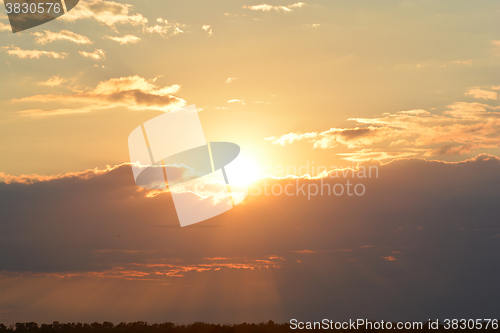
[(419, 244)]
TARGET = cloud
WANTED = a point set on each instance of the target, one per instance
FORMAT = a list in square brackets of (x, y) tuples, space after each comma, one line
[(297, 5), (462, 62), (230, 80), (47, 36), (133, 92), (266, 8), (376, 155), (5, 27), (37, 113), (291, 138), (435, 64), (98, 54), (127, 39), (445, 64), (166, 29), (33, 54), (208, 29), (350, 137), (461, 129), (109, 13), (157, 271), (464, 123), (450, 150), (480, 93), (430, 226), (53, 81), (236, 101), (305, 251), (34, 178)]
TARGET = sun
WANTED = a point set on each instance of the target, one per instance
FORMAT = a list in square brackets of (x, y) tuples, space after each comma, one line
[(245, 170)]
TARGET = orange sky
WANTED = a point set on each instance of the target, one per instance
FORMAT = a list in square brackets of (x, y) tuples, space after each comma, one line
[(410, 87), (289, 82)]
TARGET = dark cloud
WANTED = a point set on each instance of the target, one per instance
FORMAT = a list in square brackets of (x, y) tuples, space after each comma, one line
[(450, 150), (350, 134), (133, 92), (423, 242)]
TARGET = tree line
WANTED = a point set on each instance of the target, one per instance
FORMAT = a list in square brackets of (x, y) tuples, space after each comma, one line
[(143, 327), (168, 327)]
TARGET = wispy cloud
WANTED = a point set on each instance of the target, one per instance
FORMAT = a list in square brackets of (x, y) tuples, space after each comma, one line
[(165, 28), (291, 138), (109, 13), (4, 27), (208, 29), (33, 54), (450, 150), (236, 101), (53, 81), (436, 64), (481, 93), (35, 178), (231, 79), (351, 137), (266, 8), (461, 129), (466, 125), (462, 62), (38, 113), (47, 36), (376, 155), (133, 92), (127, 39), (98, 54), (160, 271), (305, 251)]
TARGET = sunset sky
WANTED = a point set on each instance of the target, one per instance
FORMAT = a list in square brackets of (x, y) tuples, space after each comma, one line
[(411, 87)]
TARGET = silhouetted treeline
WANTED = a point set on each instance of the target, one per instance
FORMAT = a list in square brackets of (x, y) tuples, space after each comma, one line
[(143, 327), (199, 327)]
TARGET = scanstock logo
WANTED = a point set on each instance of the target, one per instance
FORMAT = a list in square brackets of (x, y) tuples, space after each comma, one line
[(170, 152), (26, 14)]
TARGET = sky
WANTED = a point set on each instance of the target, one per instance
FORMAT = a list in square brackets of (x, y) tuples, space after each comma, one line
[(409, 88)]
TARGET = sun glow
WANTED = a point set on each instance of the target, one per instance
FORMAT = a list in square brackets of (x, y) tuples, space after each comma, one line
[(245, 170)]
